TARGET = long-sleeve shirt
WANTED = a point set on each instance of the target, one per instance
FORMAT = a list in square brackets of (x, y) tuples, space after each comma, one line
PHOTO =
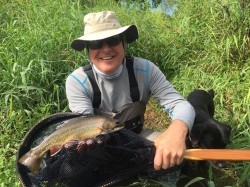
[(115, 93)]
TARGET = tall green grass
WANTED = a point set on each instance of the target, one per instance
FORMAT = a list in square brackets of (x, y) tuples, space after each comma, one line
[(205, 44)]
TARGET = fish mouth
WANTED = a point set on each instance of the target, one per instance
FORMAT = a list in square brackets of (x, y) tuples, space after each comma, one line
[(116, 128)]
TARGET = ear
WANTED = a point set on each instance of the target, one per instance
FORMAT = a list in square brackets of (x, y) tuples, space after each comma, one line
[(211, 93)]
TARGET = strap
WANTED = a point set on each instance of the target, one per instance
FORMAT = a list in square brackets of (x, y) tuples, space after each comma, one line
[(134, 90), (97, 93)]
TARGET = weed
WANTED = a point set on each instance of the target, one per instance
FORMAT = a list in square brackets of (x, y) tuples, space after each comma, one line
[(204, 44)]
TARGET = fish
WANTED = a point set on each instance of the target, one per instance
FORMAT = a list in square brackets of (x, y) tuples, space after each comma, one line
[(79, 128)]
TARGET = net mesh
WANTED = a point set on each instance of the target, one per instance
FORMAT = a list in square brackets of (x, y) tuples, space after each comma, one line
[(101, 161)]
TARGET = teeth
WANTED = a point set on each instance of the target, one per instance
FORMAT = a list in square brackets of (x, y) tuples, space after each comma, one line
[(106, 58)]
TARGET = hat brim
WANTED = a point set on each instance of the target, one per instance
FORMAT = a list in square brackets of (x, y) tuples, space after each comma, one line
[(130, 32)]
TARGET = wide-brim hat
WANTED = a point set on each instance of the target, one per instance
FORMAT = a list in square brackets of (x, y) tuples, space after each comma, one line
[(103, 25)]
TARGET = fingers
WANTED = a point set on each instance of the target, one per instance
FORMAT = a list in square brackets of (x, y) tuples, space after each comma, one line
[(88, 144), (83, 145), (70, 145), (179, 160), (175, 159), (165, 159), (158, 159)]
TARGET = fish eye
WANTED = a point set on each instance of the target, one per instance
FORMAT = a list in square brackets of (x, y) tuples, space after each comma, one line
[(108, 125)]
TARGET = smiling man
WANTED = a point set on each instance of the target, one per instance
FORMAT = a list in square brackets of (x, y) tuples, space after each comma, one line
[(122, 86), (111, 55)]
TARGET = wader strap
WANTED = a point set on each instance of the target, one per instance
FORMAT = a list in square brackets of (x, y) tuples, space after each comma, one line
[(97, 93), (134, 90)]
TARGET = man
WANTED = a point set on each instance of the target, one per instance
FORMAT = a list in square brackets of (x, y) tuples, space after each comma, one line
[(105, 41)]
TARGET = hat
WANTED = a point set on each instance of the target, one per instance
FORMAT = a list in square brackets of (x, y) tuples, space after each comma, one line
[(103, 25)]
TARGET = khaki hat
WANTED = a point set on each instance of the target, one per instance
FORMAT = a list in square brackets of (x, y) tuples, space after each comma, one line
[(103, 25)]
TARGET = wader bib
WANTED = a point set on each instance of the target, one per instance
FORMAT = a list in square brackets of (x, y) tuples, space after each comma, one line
[(133, 115)]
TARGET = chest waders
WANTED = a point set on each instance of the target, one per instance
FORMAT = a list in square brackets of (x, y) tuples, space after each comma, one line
[(133, 122)]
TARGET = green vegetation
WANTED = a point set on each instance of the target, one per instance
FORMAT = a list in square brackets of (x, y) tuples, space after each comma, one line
[(204, 44)]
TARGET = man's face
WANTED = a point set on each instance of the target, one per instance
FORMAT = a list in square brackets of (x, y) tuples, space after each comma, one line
[(108, 58)]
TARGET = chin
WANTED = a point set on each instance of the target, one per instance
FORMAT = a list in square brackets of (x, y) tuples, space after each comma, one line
[(109, 69)]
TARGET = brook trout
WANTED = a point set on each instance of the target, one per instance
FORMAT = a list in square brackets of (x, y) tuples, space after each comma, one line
[(79, 128)]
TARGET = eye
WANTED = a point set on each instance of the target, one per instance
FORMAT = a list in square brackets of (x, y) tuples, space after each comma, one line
[(108, 125)]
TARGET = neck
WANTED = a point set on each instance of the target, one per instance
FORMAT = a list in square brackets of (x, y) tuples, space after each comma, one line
[(109, 76)]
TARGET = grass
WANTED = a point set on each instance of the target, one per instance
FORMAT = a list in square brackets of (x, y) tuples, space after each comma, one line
[(202, 45)]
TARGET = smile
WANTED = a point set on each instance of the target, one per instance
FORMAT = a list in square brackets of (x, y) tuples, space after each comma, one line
[(107, 58)]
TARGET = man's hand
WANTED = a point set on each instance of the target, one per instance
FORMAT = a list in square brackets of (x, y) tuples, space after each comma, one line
[(170, 145), (84, 145)]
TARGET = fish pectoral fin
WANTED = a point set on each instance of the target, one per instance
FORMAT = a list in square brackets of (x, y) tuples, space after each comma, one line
[(100, 129), (54, 150)]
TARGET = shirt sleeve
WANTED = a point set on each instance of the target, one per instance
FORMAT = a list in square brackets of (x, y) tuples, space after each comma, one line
[(79, 93), (172, 102)]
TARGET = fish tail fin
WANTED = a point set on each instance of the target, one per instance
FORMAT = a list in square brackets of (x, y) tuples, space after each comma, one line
[(32, 161)]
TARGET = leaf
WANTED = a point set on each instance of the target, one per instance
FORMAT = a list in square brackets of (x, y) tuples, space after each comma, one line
[(196, 179), (210, 184)]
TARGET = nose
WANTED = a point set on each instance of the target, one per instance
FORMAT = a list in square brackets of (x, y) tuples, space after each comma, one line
[(105, 46)]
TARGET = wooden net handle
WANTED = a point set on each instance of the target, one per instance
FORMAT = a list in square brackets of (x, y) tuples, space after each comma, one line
[(217, 154)]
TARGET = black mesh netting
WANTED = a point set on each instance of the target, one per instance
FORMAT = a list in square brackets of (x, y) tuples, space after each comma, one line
[(101, 161)]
